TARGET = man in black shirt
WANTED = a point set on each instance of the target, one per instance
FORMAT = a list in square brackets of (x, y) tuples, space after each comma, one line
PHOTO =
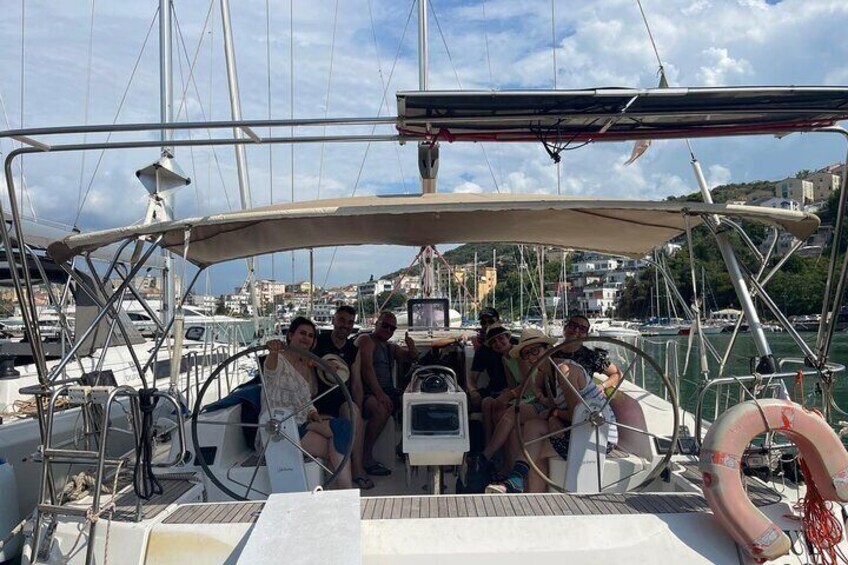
[(486, 360), (333, 404)]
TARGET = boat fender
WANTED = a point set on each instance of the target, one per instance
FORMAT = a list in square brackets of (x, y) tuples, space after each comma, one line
[(721, 464)]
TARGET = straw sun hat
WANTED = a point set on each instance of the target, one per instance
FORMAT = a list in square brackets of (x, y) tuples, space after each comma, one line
[(530, 337), (338, 365)]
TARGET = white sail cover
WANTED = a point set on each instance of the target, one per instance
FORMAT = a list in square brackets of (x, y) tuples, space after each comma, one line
[(618, 227)]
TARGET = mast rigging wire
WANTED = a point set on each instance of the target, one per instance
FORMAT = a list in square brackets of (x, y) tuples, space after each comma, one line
[(291, 111), (23, 187), (486, 39), (184, 83), (23, 67), (203, 113), (374, 127), (327, 99), (16, 164), (86, 102), (270, 145), (194, 59), (557, 163), (115, 120), (459, 83), (383, 86), (651, 37)]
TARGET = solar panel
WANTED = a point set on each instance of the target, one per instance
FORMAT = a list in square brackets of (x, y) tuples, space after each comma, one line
[(617, 114)]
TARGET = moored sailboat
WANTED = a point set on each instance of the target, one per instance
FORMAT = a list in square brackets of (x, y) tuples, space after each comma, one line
[(648, 489)]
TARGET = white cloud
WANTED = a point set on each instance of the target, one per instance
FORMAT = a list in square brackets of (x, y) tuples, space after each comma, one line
[(722, 69), (467, 188), (718, 175)]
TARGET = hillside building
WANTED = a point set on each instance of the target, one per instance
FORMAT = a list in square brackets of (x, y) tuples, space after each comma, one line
[(795, 189)]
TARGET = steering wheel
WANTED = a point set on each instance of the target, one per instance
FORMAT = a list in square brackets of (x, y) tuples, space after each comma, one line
[(596, 418), (274, 426)]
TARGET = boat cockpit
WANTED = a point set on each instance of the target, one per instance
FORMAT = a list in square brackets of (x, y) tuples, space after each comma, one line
[(220, 458)]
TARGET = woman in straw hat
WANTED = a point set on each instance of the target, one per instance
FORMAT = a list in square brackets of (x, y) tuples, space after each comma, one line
[(534, 404), (290, 383), (573, 386)]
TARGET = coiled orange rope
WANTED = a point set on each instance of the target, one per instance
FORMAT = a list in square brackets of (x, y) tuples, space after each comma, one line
[(822, 529)]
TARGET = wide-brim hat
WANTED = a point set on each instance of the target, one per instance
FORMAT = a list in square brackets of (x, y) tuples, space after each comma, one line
[(338, 365), (530, 337), (494, 332)]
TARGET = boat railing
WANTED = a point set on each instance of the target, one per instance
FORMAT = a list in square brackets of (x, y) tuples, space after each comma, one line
[(671, 367), (831, 368), (196, 364), (102, 399), (756, 386), (670, 364)]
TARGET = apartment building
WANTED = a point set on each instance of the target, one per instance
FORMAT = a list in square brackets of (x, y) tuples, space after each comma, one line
[(799, 190)]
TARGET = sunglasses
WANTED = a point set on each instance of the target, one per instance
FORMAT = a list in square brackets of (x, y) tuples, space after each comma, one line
[(388, 326), (531, 351), (577, 326)]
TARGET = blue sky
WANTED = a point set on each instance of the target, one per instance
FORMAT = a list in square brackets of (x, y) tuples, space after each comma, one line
[(497, 44)]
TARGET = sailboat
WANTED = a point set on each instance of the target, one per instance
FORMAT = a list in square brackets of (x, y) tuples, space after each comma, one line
[(430, 218), (664, 490)]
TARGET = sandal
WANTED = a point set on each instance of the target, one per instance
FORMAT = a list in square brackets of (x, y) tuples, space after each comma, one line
[(378, 470), (363, 483)]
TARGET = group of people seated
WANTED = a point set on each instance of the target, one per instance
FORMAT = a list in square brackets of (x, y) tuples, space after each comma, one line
[(324, 418), (324, 423), (546, 406)]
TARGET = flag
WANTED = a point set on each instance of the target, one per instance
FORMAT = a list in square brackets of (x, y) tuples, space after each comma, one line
[(642, 145)]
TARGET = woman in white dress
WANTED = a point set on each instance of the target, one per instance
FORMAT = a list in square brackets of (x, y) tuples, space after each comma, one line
[(291, 383)]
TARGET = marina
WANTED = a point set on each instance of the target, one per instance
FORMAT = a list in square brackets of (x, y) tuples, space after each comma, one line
[(142, 423)]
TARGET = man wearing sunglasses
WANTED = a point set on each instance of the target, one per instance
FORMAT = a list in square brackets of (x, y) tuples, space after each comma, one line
[(377, 358), (594, 360)]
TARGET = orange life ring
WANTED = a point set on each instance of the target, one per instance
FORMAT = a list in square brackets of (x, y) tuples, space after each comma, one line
[(721, 465)]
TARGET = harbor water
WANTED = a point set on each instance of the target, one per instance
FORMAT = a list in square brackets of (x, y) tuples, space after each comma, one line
[(741, 362)]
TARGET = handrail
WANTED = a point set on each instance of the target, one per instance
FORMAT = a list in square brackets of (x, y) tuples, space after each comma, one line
[(705, 385)]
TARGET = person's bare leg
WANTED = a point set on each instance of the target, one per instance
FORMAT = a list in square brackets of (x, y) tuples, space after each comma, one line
[(493, 409), (343, 480), (321, 447), (377, 418), (539, 452), (505, 427), (356, 452), (488, 422)]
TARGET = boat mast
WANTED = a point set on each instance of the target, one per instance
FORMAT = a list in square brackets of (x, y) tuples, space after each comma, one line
[(495, 270), (166, 116), (428, 153), (541, 257), (423, 47), (564, 285), (241, 156), (766, 364), (164, 177), (656, 293), (521, 283)]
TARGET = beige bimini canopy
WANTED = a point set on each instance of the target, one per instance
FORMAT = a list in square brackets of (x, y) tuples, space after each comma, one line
[(618, 227)]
